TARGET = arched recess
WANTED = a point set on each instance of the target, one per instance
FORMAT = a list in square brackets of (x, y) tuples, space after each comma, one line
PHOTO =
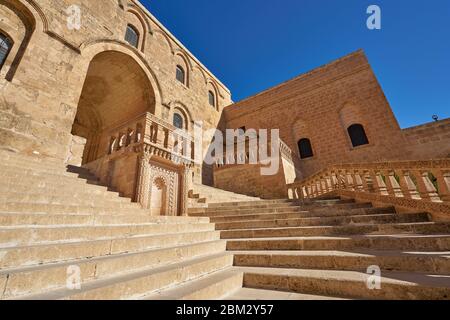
[(212, 87), (159, 203), (182, 61), (183, 111), (19, 24), (91, 48), (140, 23), (116, 90), (303, 140), (349, 115)]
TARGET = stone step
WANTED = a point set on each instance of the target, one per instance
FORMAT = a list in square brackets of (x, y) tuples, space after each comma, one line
[(426, 262), (119, 208), (409, 242), (256, 206), (375, 229), (40, 186), (23, 236), (21, 256), (32, 219), (248, 203), (302, 214), (29, 159), (135, 285), (272, 295), (12, 172), (60, 198), (246, 211), (42, 182), (351, 284), (210, 287), (40, 279), (327, 221)]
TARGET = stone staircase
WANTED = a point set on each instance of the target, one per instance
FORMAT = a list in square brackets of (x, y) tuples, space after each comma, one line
[(56, 220), (201, 195), (322, 250)]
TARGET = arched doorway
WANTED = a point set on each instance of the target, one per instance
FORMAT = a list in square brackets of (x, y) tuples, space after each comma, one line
[(116, 90)]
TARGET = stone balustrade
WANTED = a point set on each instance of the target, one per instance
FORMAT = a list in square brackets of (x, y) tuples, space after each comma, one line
[(403, 183), (155, 136)]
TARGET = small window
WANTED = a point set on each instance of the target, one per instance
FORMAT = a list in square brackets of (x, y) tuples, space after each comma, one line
[(305, 148), (181, 75), (132, 36), (212, 99), (178, 121), (5, 48), (358, 135)]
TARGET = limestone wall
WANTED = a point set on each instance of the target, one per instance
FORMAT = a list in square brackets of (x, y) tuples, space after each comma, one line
[(321, 105), (429, 141)]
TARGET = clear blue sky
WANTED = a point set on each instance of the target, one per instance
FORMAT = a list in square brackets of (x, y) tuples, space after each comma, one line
[(251, 45)]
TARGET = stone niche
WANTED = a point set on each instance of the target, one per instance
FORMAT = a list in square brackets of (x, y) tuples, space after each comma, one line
[(164, 187)]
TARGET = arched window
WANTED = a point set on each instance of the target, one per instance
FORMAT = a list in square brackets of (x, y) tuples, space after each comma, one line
[(305, 148), (5, 48), (132, 36), (212, 98), (178, 121), (357, 135), (181, 75)]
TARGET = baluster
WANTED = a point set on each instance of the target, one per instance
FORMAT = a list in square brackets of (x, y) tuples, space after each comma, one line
[(350, 183), (443, 181), (366, 182), (426, 188), (378, 183), (357, 181), (407, 185)]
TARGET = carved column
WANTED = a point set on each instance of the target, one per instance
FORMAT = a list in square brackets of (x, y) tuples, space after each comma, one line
[(143, 180)]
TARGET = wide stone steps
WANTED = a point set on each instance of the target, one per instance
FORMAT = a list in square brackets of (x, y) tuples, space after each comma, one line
[(21, 256), (301, 214), (44, 278), (42, 219), (410, 242), (21, 236), (349, 284), (317, 231), (321, 221), (246, 211), (425, 262), (249, 203), (135, 285), (232, 208), (211, 287)]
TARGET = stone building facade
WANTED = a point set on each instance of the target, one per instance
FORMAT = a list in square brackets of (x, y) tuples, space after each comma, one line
[(337, 114), (100, 84), (103, 84)]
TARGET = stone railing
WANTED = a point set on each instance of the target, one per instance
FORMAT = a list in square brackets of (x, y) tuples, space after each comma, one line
[(409, 184), (251, 152), (154, 136)]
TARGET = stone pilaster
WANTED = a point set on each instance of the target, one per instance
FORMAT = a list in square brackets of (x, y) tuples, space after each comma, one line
[(143, 181)]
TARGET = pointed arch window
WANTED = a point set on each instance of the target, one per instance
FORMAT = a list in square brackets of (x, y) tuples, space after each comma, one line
[(305, 148), (132, 36), (357, 135), (212, 99), (181, 75), (5, 48)]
